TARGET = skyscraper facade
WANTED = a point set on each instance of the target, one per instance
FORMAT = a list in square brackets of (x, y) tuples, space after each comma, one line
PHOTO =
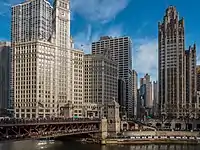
[(62, 42), (135, 86), (171, 51), (190, 70), (31, 20), (100, 84), (146, 90), (121, 52), (32, 82), (41, 59), (121, 96), (4, 76), (155, 99), (177, 89), (77, 83), (198, 77)]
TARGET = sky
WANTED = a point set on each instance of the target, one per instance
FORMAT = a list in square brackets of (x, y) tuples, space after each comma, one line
[(138, 19)]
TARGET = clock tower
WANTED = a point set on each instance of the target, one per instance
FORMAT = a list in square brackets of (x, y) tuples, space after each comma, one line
[(61, 22), (62, 41)]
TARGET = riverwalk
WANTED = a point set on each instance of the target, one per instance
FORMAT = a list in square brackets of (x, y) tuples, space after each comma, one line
[(152, 140)]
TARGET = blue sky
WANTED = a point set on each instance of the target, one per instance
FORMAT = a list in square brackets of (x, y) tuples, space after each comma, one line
[(135, 18)]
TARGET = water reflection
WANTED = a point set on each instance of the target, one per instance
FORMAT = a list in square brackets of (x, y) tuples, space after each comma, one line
[(29, 145), (56, 145), (152, 147)]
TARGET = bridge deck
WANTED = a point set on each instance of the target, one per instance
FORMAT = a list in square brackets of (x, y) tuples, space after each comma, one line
[(23, 129)]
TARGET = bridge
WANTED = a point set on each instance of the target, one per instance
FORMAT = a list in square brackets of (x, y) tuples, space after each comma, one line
[(19, 129)]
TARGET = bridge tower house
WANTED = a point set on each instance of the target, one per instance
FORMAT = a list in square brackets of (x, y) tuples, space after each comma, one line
[(67, 110), (113, 118)]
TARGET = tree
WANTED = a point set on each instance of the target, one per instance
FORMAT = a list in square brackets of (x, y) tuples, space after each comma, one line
[(189, 114), (167, 115)]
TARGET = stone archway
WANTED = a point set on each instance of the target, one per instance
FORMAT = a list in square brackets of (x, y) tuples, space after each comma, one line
[(178, 126), (149, 124), (158, 125), (132, 126), (189, 126), (168, 125), (125, 126), (198, 126)]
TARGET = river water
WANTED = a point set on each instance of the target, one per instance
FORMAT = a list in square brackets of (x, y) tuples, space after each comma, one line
[(57, 145)]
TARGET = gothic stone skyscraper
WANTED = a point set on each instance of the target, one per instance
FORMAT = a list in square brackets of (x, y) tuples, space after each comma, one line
[(177, 77), (171, 52)]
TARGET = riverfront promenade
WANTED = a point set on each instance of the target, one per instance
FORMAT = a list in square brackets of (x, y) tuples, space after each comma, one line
[(156, 137)]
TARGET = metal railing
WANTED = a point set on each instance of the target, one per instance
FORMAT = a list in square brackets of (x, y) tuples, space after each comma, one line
[(45, 120)]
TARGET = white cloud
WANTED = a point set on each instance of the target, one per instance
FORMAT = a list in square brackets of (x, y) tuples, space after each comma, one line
[(84, 38), (198, 59), (99, 10), (145, 56), (94, 10)]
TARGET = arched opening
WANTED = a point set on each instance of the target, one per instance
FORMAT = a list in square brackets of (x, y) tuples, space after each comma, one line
[(132, 126), (178, 126), (125, 126), (198, 126), (188, 126), (158, 125), (168, 125), (149, 124)]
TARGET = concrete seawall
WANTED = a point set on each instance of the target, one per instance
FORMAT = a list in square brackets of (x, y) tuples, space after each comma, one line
[(161, 133), (146, 141), (155, 137)]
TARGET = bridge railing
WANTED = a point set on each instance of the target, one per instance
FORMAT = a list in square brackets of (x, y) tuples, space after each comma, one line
[(45, 120)]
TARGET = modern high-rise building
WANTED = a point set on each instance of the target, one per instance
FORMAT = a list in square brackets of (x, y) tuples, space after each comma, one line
[(31, 20), (176, 67), (146, 90), (198, 77), (77, 76), (190, 69), (139, 105), (135, 87), (100, 84), (121, 52), (122, 96), (155, 99), (5, 102)]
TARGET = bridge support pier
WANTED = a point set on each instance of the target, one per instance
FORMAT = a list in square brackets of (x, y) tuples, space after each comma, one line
[(104, 128), (114, 121)]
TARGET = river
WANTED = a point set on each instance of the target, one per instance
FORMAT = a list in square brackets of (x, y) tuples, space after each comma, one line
[(57, 145)]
